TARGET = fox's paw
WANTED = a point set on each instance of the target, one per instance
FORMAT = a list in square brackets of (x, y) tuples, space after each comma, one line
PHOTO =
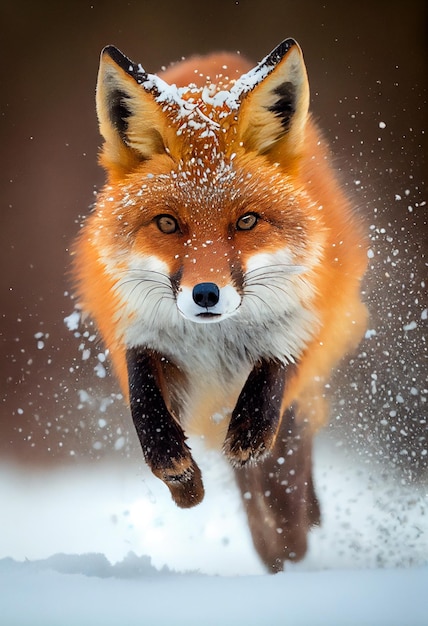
[(184, 480), (242, 449)]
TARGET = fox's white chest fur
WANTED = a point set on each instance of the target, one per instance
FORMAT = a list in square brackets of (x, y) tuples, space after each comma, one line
[(207, 405)]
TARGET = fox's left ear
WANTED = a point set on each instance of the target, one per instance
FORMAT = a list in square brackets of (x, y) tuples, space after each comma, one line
[(274, 103)]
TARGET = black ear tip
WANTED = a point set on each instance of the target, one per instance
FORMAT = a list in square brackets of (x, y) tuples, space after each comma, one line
[(111, 51), (280, 51), (118, 57), (287, 44)]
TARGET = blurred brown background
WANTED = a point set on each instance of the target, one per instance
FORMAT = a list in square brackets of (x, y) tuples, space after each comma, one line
[(367, 63)]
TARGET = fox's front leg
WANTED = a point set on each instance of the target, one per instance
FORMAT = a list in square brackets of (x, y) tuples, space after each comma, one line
[(256, 417), (161, 437)]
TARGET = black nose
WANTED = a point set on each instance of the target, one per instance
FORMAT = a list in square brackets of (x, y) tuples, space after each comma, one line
[(206, 295)]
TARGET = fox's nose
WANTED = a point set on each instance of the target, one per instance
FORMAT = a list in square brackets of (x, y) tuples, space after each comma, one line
[(206, 295)]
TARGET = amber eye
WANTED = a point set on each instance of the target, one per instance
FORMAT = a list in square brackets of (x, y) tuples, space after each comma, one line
[(167, 224), (247, 222)]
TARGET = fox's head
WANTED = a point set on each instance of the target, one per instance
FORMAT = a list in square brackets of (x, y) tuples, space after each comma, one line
[(204, 218)]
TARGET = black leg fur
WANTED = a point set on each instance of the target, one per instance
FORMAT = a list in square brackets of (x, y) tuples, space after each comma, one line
[(255, 419), (162, 439)]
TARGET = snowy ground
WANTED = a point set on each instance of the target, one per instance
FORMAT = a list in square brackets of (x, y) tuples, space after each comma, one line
[(86, 545)]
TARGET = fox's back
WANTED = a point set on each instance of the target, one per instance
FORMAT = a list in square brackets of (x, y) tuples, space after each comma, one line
[(220, 69)]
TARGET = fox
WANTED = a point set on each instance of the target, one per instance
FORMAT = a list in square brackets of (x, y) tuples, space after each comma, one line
[(222, 265)]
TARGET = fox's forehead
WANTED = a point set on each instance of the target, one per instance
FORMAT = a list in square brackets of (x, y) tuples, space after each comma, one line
[(192, 192), (208, 182)]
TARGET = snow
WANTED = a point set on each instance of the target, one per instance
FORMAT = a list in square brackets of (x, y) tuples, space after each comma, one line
[(46, 598), (103, 543), (73, 320)]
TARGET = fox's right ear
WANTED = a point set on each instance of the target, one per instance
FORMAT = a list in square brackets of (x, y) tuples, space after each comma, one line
[(131, 121), (274, 104)]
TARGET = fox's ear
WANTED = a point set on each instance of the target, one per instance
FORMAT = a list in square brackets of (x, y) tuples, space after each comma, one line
[(274, 102), (131, 121)]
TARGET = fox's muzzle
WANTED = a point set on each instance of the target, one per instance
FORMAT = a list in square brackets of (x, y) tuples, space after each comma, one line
[(207, 302)]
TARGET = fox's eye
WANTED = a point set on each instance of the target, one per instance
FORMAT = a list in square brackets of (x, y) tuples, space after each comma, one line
[(247, 222), (167, 224)]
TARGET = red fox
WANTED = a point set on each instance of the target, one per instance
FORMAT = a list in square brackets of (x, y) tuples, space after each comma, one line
[(222, 266)]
